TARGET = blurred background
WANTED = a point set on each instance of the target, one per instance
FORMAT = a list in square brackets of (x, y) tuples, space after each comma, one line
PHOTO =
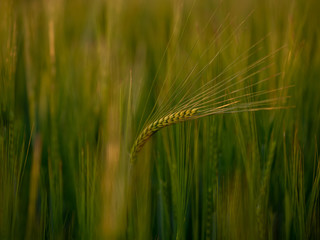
[(78, 80)]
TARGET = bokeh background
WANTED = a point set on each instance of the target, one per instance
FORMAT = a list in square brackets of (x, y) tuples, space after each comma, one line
[(78, 80)]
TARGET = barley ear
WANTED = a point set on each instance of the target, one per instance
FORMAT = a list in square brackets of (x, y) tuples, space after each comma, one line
[(147, 132)]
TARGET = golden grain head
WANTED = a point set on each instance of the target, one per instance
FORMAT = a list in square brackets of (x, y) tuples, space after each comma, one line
[(152, 128)]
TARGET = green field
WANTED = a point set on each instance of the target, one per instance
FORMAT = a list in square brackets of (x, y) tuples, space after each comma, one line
[(80, 80)]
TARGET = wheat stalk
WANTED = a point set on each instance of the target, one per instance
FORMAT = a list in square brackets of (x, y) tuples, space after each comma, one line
[(226, 92)]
